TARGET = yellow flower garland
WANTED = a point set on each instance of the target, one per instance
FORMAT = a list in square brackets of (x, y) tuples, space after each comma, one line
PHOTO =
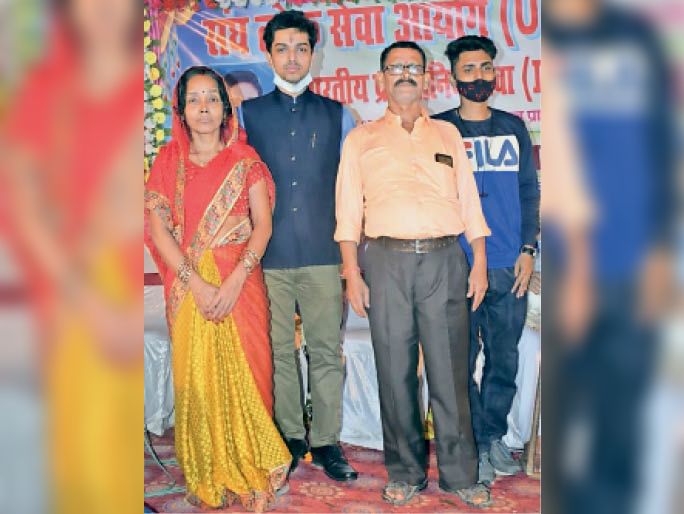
[(155, 107)]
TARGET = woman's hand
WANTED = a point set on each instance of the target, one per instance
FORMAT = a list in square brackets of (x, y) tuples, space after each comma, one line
[(228, 294), (205, 295)]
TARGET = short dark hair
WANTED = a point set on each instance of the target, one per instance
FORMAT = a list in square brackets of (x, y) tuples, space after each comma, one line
[(234, 77), (291, 19), (182, 88), (469, 44), (401, 44)]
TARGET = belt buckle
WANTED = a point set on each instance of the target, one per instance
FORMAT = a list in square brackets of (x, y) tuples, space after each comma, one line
[(418, 243)]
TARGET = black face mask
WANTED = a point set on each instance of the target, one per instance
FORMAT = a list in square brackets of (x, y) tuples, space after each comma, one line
[(476, 91)]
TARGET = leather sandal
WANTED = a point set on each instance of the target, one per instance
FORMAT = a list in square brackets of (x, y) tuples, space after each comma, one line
[(477, 496), (400, 493)]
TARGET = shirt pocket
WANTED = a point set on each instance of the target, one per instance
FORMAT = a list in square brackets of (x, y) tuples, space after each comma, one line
[(444, 178)]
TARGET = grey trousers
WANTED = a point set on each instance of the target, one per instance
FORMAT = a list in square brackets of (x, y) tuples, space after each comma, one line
[(318, 292), (422, 298)]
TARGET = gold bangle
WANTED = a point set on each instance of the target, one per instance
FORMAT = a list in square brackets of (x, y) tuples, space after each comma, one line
[(252, 254), (248, 264), (249, 259), (184, 271)]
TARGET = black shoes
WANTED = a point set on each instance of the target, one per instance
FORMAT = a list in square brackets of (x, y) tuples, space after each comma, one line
[(298, 448), (328, 457), (334, 464)]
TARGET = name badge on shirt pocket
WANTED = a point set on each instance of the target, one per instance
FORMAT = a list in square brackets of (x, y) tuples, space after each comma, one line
[(444, 159)]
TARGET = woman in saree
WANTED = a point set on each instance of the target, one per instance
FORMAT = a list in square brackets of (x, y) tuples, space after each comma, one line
[(208, 207)]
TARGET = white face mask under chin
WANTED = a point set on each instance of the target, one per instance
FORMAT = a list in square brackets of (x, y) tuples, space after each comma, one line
[(293, 89)]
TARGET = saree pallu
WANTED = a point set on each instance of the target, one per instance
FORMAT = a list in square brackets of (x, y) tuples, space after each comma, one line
[(226, 442)]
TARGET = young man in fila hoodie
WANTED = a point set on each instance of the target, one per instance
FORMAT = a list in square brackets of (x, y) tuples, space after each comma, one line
[(500, 152)]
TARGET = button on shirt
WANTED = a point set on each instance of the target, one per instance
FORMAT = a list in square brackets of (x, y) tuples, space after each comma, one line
[(402, 185), (301, 149)]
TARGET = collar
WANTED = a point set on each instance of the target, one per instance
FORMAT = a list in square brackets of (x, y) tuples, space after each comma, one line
[(394, 119)]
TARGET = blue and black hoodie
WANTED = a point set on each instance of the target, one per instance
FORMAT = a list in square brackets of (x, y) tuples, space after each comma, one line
[(501, 154)]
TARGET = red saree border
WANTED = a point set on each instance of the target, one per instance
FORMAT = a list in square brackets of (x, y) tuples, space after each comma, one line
[(159, 203), (177, 231)]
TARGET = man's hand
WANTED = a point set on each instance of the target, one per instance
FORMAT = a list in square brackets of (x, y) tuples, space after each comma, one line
[(477, 284), (535, 283), (523, 271), (357, 293)]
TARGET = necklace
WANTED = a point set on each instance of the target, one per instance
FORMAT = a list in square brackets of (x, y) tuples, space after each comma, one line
[(202, 161)]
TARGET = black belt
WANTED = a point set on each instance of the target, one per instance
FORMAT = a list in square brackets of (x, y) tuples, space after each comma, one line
[(416, 245)]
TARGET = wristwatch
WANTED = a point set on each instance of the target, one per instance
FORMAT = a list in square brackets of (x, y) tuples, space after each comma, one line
[(529, 250)]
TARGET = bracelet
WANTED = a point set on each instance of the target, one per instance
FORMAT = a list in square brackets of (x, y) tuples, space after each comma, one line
[(184, 271), (349, 269), (249, 259)]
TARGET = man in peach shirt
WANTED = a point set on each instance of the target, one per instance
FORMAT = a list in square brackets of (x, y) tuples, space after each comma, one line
[(407, 179)]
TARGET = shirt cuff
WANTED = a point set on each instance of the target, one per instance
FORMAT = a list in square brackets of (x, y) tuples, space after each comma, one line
[(480, 230), (346, 232)]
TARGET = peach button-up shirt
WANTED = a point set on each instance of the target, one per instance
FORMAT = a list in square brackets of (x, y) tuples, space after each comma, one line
[(400, 184)]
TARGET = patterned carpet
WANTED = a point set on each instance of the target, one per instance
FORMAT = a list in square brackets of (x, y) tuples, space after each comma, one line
[(312, 491)]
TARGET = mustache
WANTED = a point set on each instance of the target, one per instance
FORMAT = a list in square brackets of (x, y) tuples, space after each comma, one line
[(406, 81)]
